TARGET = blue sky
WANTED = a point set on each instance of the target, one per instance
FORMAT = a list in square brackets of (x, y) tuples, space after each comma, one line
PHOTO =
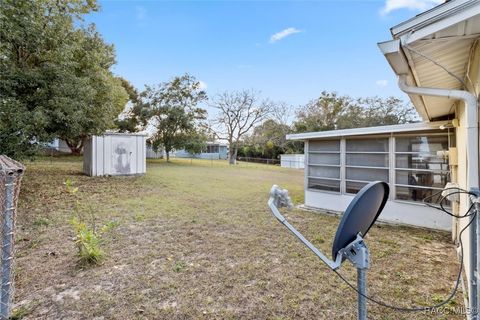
[(289, 50)]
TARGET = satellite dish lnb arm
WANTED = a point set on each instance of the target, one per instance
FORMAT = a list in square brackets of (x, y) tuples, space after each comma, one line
[(279, 198)]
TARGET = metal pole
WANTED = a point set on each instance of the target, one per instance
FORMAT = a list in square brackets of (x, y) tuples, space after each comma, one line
[(475, 310), (473, 271), (7, 247), (362, 292), (473, 261)]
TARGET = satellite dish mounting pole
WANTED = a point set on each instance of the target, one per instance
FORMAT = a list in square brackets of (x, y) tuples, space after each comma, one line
[(348, 244), (357, 253), (362, 291)]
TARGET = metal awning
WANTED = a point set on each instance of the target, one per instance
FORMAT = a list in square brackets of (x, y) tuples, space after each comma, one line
[(434, 49), (397, 128)]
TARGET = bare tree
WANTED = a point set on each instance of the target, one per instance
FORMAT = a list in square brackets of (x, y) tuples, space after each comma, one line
[(283, 113), (239, 112)]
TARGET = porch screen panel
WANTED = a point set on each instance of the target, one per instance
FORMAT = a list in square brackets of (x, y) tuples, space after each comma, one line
[(421, 170), (366, 160), (323, 172)]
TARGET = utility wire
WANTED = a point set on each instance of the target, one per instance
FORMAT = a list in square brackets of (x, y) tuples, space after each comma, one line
[(435, 63)]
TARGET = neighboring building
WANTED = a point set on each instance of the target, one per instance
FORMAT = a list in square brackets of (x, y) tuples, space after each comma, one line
[(115, 154), (58, 145), (152, 154), (213, 151), (436, 56), (294, 161)]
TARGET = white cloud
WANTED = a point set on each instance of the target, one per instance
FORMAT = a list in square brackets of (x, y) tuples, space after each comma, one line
[(417, 5), (284, 33), (202, 85), (381, 83)]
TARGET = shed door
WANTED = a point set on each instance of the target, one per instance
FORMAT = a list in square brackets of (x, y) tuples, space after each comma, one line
[(123, 155)]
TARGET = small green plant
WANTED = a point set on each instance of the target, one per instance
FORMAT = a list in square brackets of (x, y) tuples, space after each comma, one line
[(319, 239), (19, 313), (41, 221), (139, 217), (87, 239), (109, 226), (88, 243), (179, 266)]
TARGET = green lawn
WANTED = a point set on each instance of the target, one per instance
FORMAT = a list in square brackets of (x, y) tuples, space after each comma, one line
[(195, 240)]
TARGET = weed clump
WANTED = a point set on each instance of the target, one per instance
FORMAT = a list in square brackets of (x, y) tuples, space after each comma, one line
[(87, 242), (88, 239)]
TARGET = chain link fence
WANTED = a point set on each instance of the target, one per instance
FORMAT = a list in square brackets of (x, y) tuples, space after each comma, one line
[(259, 160), (11, 173), (284, 163)]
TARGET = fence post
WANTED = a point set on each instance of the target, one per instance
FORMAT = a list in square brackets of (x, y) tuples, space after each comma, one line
[(10, 175)]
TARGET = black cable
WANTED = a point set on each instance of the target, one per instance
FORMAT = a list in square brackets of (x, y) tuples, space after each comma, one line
[(455, 288), (442, 208)]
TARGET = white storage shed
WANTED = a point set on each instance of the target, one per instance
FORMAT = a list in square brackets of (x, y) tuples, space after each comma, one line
[(115, 154)]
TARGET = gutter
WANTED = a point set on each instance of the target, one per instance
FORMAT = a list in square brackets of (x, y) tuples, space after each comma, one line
[(471, 114)]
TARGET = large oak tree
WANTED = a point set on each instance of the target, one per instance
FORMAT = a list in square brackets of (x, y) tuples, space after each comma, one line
[(55, 76)]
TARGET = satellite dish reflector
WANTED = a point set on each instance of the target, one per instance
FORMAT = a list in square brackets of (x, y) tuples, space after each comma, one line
[(359, 217), (360, 214)]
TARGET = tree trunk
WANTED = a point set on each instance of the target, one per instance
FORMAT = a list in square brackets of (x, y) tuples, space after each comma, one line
[(75, 147), (232, 154), (76, 151), (167, 153)]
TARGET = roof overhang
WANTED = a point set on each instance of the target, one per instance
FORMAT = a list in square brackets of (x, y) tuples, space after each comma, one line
[(424, 46), (380, 130)]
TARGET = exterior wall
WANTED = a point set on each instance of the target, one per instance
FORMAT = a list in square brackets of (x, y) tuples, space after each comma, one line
[(154, 155), (397, 212), (295, 161), (462, 207), (59, 145), (115, 154), (185, 154), (63, 147), (221, 155)]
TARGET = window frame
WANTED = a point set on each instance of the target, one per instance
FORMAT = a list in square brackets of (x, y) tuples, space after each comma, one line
[(308, 165), (395, 169), (391, 168), (346, 166)]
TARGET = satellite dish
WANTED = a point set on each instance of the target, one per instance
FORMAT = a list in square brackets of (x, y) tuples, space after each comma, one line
[(360, 214), (358, 218)]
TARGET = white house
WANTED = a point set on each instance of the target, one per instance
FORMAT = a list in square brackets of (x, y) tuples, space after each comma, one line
[(436, 56), (213, 151)]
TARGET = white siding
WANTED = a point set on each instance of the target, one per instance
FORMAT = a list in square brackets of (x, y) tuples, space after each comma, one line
[(115, 154), (295, 161), (397, 212)]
